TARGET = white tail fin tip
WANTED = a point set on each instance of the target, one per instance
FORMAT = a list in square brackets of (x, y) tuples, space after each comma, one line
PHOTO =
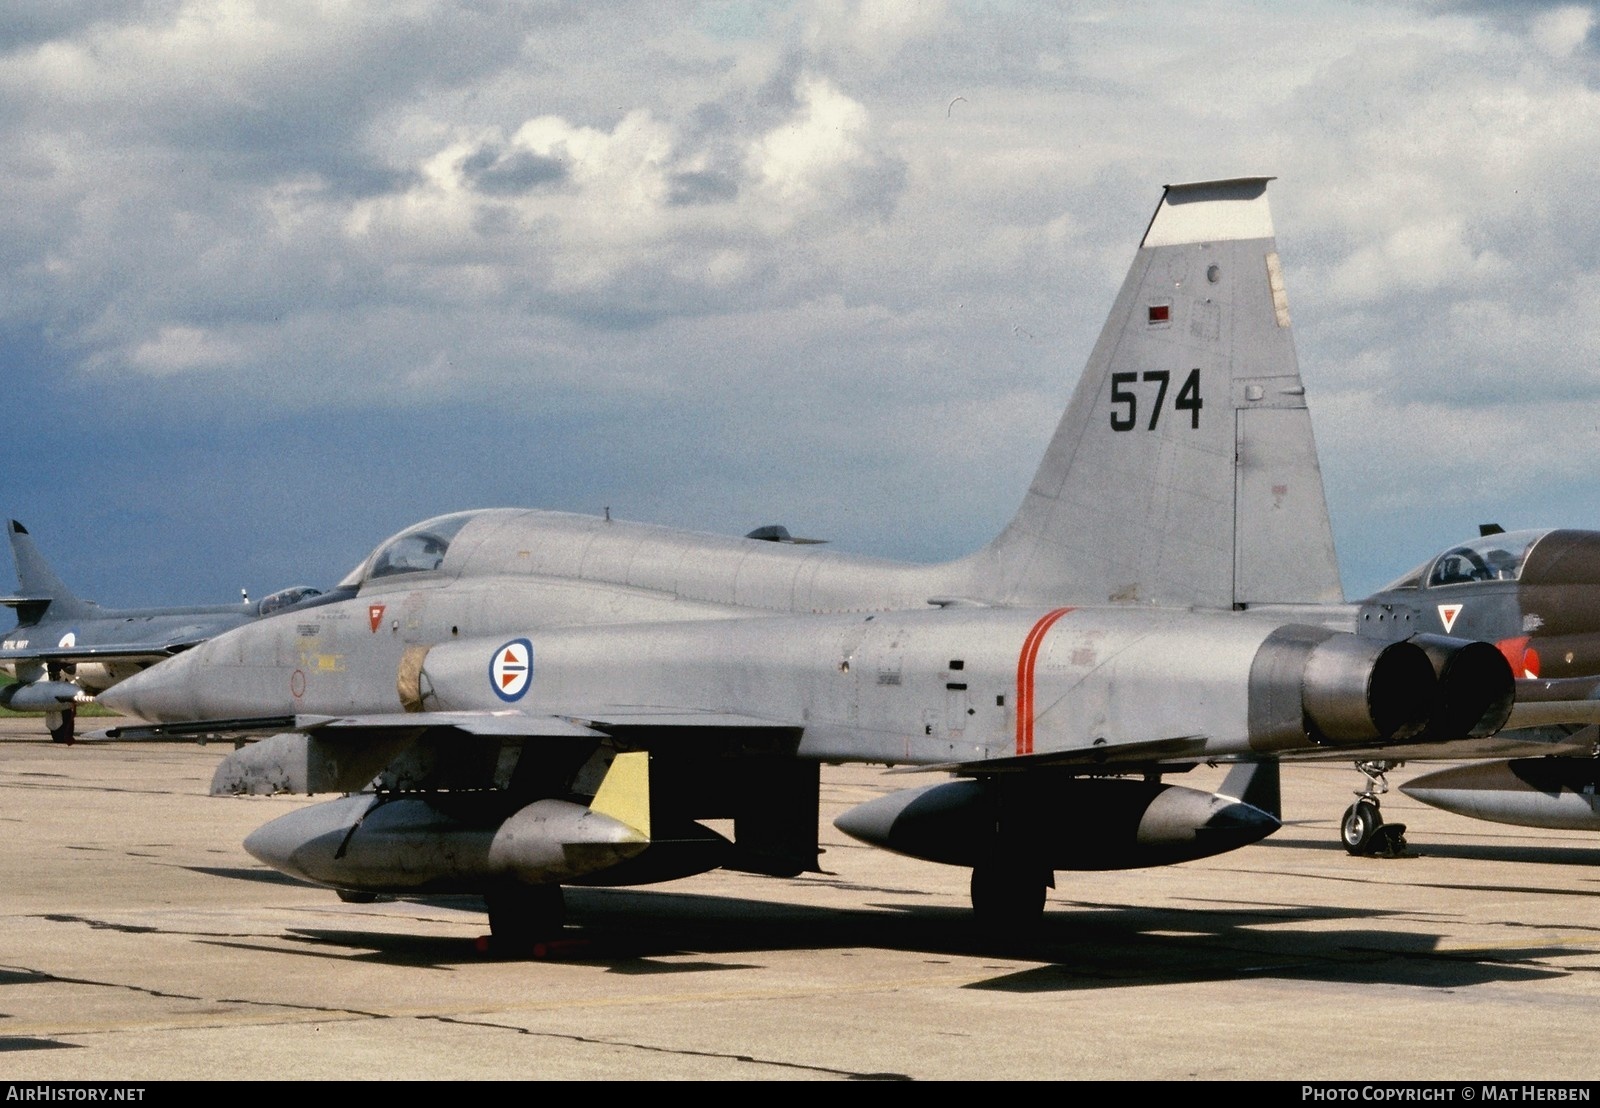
[(1212, 211)]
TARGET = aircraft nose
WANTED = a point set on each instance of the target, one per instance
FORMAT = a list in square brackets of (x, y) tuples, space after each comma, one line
[(160, 694)]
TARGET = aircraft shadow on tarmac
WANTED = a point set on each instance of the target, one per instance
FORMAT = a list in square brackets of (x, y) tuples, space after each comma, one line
[(1475, 849), (1077, 946), (258, 875)]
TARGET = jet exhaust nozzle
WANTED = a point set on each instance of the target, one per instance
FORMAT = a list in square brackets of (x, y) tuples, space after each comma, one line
[(1333, 688), (1354, 693), (1477, 687)]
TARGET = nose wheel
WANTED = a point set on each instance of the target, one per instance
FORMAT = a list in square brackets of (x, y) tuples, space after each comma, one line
[(1362, 830)]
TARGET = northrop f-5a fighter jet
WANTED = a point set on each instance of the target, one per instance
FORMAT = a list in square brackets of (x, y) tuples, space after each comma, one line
[(517, 700), (64, 649)]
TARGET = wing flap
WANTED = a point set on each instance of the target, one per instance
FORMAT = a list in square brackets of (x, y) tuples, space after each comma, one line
[(150, 651), (1167, 755), (201, 731)]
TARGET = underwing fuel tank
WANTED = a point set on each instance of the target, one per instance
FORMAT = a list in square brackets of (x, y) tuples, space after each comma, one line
[(1556, 792), (400, 844), (1070, 824), (444, 842), (39, 696)]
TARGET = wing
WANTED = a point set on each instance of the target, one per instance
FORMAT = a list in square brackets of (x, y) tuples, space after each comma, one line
[(433, 750), (143, 653), (1175, 754), (703, 765)]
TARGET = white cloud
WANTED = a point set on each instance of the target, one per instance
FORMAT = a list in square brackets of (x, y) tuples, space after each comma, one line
[(577, 209), (873, 31), (180, 350), (1416, 257), (1561, 32)]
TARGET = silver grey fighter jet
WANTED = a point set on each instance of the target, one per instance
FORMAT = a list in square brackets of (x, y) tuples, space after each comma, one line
[(512, 701), (64, 650)]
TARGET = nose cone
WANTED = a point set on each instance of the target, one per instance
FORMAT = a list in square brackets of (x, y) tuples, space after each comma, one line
[(1562, 793), (164, 693), (306, 843)]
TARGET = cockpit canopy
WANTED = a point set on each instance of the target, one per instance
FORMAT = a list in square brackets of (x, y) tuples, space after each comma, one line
[(418, 549), (285, 598), (1498, 557)]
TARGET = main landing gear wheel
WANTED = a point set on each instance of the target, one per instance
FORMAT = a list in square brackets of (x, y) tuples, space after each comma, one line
[(523, 916), (1008, 898), (61, 724)]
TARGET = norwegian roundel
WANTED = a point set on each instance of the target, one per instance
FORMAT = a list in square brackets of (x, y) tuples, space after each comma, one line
[(511, 669)]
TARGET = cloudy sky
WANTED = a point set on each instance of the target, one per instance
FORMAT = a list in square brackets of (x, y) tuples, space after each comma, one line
[(283, 278)]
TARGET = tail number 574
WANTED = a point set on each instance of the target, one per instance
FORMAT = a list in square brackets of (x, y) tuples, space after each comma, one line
[(1125, 398)]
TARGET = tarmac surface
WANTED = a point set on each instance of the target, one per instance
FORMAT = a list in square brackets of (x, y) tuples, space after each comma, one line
[(140, 942)]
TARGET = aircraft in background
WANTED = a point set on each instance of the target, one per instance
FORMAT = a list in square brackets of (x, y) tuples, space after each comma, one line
[(64, 650), (1536, 595), (515, 700)]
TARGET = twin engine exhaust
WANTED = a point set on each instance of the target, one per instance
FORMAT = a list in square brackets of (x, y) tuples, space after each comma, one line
[(1336, 689)]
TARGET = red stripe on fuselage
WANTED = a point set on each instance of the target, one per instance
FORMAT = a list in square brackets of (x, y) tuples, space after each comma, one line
[(1025, 664)]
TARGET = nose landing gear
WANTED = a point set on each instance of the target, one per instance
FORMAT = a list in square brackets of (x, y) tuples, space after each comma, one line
[(1362, 829)]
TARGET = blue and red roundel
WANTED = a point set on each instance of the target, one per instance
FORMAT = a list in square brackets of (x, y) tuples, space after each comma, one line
[(511, 669)]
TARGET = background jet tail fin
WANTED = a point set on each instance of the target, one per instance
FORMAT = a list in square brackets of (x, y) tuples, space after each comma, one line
[(1184, 471), (38, 586)]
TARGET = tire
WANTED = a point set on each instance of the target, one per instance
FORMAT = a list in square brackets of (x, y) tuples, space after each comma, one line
[(523, 916), (1008, 898), (1359, 827), (62, 724)]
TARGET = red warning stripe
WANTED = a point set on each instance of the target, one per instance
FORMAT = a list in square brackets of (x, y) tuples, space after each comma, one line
[(1025, 663)]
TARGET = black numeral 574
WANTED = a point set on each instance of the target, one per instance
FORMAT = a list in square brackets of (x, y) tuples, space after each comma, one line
[(1187, 400)]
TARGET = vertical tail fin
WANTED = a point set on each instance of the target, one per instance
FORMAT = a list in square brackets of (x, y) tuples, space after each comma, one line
[(1184, 471), (38, 586)]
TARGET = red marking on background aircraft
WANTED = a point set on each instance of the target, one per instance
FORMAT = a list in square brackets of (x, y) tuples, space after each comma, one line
[(1524, 661)]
